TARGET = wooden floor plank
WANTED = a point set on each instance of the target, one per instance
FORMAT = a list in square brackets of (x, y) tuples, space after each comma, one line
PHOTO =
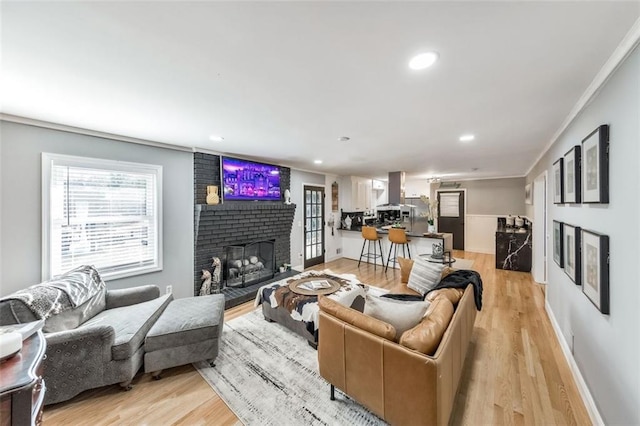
[(514, 373)]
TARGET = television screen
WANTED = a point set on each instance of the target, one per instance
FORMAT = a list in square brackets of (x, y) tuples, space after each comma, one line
[(248, 180)]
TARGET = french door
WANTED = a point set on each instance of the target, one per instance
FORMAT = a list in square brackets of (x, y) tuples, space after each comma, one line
[(313, 225)]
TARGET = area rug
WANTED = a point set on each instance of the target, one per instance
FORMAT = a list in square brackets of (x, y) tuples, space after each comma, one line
[(462, 263), (269, 376)]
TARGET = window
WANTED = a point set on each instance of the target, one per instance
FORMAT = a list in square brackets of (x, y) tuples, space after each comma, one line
[(103, 213)]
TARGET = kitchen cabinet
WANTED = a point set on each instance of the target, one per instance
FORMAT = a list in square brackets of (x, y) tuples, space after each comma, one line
[(513, 249), (378, 185), (361, 190), (416, 188)]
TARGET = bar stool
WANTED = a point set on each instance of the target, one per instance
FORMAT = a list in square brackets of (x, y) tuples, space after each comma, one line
[(370, 233), (397, 237)]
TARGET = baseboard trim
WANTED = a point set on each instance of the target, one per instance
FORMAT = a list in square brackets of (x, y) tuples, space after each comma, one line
[(589, 403)]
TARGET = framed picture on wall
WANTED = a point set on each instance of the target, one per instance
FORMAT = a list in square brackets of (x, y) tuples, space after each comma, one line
[(571, 188), (558, 255), (595, 269), (572, 252), (528, 195), (558, 182), (595, 167), (334, 197)]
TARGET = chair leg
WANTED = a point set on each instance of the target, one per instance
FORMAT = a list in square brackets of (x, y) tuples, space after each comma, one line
[(375, 262), (409, 250), (389, 257), (362, 251), (381, 253), (333, 393)]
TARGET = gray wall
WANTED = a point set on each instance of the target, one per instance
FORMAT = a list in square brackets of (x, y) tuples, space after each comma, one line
[(494, 196), (606, 347), (21, 208), (298, 180)]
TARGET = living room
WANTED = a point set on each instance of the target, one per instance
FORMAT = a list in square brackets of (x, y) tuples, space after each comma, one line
[(116, 95)]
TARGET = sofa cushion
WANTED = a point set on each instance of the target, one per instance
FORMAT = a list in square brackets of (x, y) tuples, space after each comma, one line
[(131, 324), (400, 314), (424, 275), (356, 318), (407, 264), (453, 294), (426, 336), (186, 321)]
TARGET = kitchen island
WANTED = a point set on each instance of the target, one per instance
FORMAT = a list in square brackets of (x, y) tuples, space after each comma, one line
[(420, 243)]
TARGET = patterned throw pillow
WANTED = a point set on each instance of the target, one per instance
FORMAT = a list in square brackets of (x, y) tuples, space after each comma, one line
[(424, 276)]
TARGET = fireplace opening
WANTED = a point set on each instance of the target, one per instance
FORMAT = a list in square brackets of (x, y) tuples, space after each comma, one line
[(247, 264)]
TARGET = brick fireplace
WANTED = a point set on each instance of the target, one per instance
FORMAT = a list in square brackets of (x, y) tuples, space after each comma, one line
[(236, 223)]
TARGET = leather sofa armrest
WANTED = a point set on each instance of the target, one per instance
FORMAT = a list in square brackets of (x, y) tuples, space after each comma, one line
[(357, 318), (131, 296)]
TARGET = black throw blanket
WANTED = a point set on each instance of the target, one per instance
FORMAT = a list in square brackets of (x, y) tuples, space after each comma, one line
[(460, 279)]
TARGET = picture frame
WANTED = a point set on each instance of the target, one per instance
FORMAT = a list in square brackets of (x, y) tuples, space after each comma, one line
[(595, 269), (558, 181), (558, 235), (571, 190), (528, 194), (334, 197), (595, 166), (572, 259)]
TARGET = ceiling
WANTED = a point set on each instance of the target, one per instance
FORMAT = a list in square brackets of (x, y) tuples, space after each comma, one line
[(281, 82)]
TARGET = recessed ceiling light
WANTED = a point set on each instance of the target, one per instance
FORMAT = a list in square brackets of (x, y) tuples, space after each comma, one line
[(216, 138), (423, 60), (344, 138), (317, 161), (467, 138)]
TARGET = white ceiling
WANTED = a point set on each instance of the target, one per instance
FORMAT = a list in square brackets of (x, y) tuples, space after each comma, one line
[(282, 81)]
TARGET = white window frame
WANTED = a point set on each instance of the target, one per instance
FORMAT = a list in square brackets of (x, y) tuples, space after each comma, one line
[(49, 159)]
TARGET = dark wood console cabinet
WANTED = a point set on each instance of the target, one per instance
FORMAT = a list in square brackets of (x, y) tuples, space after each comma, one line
[(21, 384)]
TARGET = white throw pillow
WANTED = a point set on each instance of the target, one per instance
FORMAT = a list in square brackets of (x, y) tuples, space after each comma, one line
[(424, 275), (401, 315)]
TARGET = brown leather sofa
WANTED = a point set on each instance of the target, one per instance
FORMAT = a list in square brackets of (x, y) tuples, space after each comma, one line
[(406, 380)]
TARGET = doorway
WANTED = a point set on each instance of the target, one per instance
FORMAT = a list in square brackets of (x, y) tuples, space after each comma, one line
[(539, 270), (451, 214), (313, 225)]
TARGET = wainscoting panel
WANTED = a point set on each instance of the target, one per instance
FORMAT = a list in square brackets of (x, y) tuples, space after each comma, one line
[(481, 233)]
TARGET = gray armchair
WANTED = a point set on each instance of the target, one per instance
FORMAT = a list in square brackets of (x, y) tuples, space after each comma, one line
[(95, 344)]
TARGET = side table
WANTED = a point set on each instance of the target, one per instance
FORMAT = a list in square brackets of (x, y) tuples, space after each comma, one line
[(446, 258), (21, 385)]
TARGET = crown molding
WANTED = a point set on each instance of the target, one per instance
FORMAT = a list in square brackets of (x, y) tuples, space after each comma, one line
[(624, 49), (81, 131)]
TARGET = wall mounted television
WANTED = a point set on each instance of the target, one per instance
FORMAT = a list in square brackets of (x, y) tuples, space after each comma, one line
[(249, 180)]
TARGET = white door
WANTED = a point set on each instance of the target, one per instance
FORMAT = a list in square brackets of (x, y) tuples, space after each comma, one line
[(540, 228)]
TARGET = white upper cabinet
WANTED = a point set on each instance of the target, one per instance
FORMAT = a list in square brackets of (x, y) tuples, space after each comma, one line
[(415, 188)]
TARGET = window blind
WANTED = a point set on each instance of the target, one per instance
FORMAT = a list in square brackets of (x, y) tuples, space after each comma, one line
[(103, 217)]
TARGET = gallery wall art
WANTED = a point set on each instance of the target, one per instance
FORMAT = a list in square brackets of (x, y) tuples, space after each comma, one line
[(572, 252), (595, 166), (571, 190), (558, 254), (595, 269), (558, 181)]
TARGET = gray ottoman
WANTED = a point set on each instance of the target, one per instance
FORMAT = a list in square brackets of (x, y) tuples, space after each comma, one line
[(187, 331)]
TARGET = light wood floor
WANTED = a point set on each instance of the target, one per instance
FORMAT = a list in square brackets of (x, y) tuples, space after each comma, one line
[(515, 372)]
